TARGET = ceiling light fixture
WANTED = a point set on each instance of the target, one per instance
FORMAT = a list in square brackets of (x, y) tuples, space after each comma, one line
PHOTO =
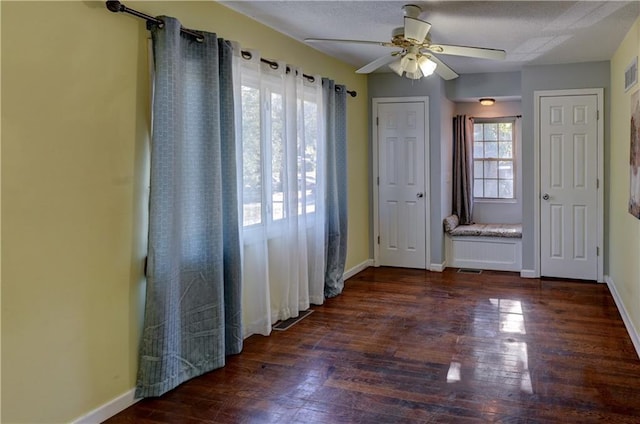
[(487, 102), (427, 66), (409, 63), (414, 65)]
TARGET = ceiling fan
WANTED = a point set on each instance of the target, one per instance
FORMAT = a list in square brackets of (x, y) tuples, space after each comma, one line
[(414, 56)]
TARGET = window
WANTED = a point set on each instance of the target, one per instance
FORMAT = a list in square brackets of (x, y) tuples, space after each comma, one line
[(279, 149), (493, 160)]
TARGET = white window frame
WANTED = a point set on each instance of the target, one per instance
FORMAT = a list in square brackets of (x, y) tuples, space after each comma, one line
[(513, 159)]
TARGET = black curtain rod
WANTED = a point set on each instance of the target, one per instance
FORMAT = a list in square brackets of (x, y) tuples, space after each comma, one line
[(275, 65), (495, 117), (115, 6)]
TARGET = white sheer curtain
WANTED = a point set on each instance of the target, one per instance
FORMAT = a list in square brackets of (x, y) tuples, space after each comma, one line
[(280, 145)]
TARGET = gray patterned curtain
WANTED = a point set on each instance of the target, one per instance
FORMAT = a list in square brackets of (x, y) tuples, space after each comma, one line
[(335, 104), (192, 315), (462, 162)]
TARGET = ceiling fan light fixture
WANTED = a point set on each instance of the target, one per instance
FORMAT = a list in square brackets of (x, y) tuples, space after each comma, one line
[(411, 42), (487, 101), (414, 75), (397, 67), (409, 63), (427, 66)]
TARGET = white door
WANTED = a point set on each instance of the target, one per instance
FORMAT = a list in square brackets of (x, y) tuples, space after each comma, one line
[(401, 189), (569, 187)]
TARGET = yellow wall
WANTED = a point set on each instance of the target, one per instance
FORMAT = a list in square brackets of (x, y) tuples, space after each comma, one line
[(624, 229), (74, 126)]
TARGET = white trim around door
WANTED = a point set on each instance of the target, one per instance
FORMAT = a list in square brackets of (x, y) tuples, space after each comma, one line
[(538, 95), (376, 173)]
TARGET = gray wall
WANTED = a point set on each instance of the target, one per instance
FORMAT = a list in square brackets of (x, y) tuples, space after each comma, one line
[(506, 85), (390, 85), (447, 111), (474, 86), (555, 77)]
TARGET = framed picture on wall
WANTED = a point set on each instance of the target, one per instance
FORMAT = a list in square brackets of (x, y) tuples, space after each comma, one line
[(634, 158)]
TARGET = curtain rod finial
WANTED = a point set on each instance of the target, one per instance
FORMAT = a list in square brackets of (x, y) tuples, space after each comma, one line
[(114, 6)]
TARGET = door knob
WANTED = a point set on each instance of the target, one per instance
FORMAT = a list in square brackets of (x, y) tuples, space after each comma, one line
[(420, 195), (545, 196)]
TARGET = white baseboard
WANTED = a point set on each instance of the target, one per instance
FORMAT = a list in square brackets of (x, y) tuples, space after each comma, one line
[(631, 329), (528, 273), (109, 409), (438, 267), (356, 269), (125, 400)]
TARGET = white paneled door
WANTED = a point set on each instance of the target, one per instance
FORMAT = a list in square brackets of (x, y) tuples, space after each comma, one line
[(569, 187), (402, 200)]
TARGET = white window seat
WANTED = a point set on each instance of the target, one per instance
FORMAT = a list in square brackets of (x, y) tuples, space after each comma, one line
[(483, 246)]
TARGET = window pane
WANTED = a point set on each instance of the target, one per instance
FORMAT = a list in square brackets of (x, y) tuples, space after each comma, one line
[(477, 132), (506, 189), (300, 156), (477, 169), (505, 170), (277, 157), (491, 169), (491, 188), (477, 188), (506, 131), (490, 132), (309, 168), (505, 149), (478, 149), (491, 149), (251, 156)]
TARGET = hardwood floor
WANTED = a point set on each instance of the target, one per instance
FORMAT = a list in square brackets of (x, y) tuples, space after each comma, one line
[(411, 346)]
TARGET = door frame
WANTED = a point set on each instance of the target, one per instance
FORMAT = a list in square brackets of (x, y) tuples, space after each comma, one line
[(538, 95), (375, 101)]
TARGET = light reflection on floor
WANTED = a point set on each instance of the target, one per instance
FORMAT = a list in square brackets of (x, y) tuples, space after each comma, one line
[(510, 346)]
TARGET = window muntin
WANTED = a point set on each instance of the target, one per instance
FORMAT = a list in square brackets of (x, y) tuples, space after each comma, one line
[(493, 160)]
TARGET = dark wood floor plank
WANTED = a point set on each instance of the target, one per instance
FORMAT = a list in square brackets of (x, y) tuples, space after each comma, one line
[(402, 345)]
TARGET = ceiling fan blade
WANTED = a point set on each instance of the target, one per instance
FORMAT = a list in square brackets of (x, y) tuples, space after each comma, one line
[(336, 40), (480, 52), (415, 29), (443, 70), (381, 61)]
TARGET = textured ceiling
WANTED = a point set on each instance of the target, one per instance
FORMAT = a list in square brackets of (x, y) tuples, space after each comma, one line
[(531, 32)]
